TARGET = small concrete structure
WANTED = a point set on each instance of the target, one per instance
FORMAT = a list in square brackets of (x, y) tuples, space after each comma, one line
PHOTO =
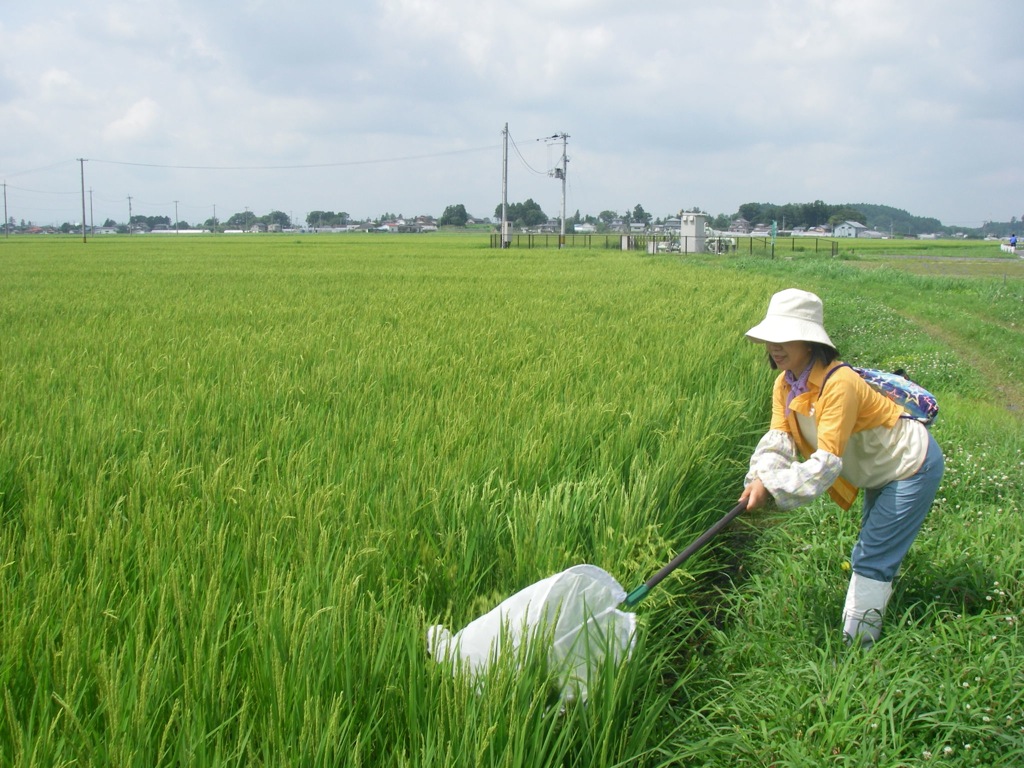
[(693, 233)]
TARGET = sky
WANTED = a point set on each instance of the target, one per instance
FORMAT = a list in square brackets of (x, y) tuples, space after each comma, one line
[(193, 108)]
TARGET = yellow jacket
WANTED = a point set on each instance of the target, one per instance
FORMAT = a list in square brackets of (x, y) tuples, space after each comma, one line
[(847, 405)]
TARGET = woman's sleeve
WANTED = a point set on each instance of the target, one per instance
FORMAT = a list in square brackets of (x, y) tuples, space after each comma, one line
[(775, 451), (791, 482)]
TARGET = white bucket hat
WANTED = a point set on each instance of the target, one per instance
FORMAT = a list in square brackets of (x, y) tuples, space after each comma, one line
[(793, 315)]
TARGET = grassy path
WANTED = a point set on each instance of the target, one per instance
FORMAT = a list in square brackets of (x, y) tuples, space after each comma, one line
[(776, 685), (1010, 392)]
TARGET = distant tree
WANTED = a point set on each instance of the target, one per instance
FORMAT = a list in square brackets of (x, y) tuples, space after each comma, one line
[(607, 217), (107, 223), (640, 215), (788, 216), (240, 220), (847, 214), (815, 214), (454, 216), (527, 214), (896, 220), (150, 222), (751, 212), (792, 215), (280, 218), (326, 219)]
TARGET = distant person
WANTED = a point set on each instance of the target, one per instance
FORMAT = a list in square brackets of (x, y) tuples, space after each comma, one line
[(1013, 241), (837, 436)]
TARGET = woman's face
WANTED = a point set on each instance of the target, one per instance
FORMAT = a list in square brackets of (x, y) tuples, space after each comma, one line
[(792, 356)]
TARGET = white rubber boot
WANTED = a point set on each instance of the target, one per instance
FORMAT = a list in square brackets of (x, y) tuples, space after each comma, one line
[(865, 605)]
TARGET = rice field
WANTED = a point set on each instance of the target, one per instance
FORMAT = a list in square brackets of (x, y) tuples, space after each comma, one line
[(240, 476)]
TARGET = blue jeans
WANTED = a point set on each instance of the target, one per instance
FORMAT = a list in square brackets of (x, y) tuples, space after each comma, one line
[(893, 514)]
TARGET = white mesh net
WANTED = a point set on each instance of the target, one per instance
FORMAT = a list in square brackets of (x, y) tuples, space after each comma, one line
[(575, 611)]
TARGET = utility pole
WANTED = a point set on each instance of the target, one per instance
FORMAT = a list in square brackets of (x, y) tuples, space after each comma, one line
[(129, 214), (565, 169), (175, 217), (81, 165), (7, 226), (92, 220), (560, 173), (504, 188)]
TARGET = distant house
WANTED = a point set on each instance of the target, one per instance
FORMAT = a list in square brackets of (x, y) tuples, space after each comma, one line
[(850, 229)]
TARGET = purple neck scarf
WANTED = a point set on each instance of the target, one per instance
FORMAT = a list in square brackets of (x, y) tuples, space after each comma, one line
[(797, 384)]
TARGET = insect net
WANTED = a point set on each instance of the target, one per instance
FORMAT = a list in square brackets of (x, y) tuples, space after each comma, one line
[(574, 612)]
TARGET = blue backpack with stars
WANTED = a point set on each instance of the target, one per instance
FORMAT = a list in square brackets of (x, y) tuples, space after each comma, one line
[(918, 403)]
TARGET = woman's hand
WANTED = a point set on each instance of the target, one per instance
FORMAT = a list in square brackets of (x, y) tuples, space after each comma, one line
[(755, 494)]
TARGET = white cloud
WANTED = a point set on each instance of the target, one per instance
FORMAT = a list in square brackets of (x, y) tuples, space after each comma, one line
[(137, 122), (667, 103)]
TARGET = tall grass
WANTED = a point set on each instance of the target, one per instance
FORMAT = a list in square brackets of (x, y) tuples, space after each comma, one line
[(944, 686), (239, 478)]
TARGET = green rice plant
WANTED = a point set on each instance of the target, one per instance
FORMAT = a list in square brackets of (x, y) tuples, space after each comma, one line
[(240, 477)]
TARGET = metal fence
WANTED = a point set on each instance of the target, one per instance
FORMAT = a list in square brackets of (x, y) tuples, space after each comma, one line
[(664, 243), (531, 240)]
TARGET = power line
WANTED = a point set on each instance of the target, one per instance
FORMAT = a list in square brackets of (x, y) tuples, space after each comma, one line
[(523, 159), (42, 168), (39, 191), (336, 164)]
